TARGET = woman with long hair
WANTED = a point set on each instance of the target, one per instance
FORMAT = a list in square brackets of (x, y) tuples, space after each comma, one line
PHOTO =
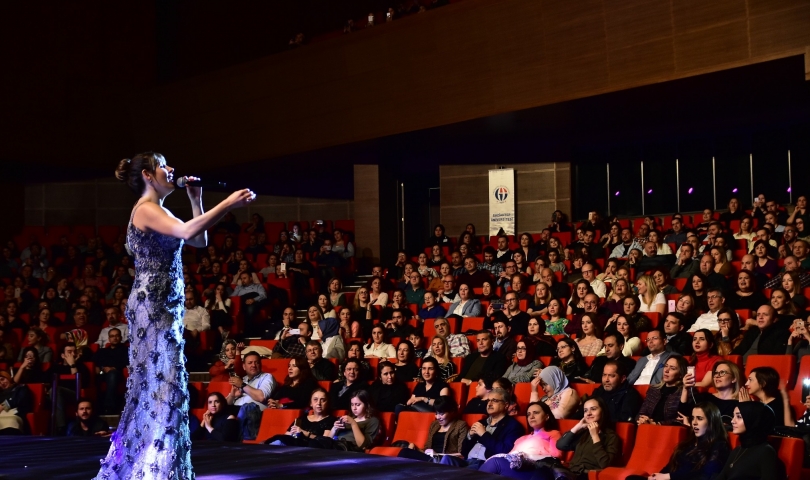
[(436, 256), (660, 406), (488, 291), (445, 434), (31, 369), (620, 289), (594, 441), (217, 424), (540, 344), (698, 285), (703, 453), (539, 264), (440, 350), (764, 384), (650, 298), (793, 285), (780, 301), (609, 275), (336, 297), (658, 239), (590, 342), (540, 444), (407, 370), (555, 259), (746, 231), (364, 312), (378, 346), (325, 306), (576, 302), (556, 322), (612, 238), (754, 457), (428, 390), (297, 387), (570, 360), (686, 306), (704, 357), (764, 264), (538, 305), (436, 284), (627, 329), (438, 237), (38, 339), (747, 296), (349, 327), (356, 431), (527, 249), (318, 422)]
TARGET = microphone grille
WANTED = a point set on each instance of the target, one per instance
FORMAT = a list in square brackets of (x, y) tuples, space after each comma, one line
[(181, 182)]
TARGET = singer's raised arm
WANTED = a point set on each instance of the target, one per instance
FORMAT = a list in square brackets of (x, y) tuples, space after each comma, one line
[(151, 216)]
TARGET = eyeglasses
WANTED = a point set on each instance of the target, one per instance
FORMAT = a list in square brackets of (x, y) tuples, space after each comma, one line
[(723, 320), (586, 271), (721, 374), (713, 297)]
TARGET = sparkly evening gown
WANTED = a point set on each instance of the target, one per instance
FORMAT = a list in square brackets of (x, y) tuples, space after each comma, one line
[(152, 439)]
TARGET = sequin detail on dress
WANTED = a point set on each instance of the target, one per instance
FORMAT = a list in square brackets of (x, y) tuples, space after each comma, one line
[(152, 440)]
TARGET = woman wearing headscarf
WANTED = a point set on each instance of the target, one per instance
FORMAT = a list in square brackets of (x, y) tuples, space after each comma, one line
[(228, 361), (754, 458), (333, 347), (562, 399)]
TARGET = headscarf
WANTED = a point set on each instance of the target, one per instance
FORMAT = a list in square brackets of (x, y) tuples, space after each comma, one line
[(329, 328), (529, 358), (555, 378), (759, 422), (224, 358)]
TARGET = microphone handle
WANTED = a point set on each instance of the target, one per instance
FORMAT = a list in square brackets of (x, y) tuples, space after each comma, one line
[(206, 184)]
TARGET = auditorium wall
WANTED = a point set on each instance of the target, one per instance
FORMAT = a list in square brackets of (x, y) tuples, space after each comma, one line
[(541, 189)]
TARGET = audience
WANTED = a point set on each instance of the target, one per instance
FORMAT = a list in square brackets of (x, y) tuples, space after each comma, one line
[(661, 404), (87, 424), (250, 393), (562, 399), (217, 424), (446, 434), (388, 391), (593, 440)]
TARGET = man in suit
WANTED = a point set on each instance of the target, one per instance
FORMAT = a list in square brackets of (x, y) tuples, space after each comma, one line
[(649, 370), (505, 343)]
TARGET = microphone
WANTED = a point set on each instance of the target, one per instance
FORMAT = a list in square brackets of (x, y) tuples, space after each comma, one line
[(183, 182)]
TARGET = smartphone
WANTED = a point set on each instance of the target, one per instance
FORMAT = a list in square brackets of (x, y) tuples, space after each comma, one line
[(690, 369), (283, 267), (388, 15), (798, 324), (497, 306), (295, 331), (805, 388), (232, 374), (671, 305)]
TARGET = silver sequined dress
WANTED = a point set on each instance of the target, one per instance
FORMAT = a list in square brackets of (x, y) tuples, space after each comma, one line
[(152, 439)]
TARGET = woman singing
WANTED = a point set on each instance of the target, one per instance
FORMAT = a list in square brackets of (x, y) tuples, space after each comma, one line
[(152, 438)]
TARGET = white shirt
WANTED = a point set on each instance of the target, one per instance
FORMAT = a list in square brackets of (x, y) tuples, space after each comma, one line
[(649, 369), (599, 287), (104, 336), (383, 350), (659, 299), (707, 320), (262, 381), (197, 319)]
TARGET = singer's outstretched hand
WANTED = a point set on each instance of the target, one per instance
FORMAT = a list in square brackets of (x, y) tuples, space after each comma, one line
[(240, 198), (194, 193)]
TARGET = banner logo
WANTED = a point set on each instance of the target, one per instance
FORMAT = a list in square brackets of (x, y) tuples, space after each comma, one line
[(501, 193)]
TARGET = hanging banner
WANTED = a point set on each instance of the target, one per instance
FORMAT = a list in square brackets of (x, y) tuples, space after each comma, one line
[(502, 201)]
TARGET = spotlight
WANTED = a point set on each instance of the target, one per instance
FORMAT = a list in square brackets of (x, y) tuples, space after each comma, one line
[(734, 191), (649, 191), (617, 193), (788, 189), (690, 190)]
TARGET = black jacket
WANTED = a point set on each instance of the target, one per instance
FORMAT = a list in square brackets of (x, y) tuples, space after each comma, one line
[(772, 341), (623, 404), (495, 363)]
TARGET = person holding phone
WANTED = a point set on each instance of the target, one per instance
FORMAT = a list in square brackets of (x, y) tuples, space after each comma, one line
[(799, 341)]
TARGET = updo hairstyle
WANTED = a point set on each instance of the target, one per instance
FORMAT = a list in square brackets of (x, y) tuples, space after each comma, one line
[(129, 171)]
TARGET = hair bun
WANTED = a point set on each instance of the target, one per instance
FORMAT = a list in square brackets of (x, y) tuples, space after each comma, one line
[(122, 172)]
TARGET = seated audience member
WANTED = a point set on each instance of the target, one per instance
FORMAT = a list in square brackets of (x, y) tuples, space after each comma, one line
[(713, 279), (622, 401), (318, 422), (388, 391), (628, 243), (348, 326), (705, 450), (589, 275), (219, 307), (754, 457), (406, 366), (593, 440), (649, 370), (562, 399), (768, 338), (293, 345), (678, 341), (792, 284), (764, 263), (441, 352), (780, 301), (448, 294), (298, 385), (538, 446), (791, 265), (686, 265), (217, 424), (569, 359), (556, 323), (558, 289), (729, 336), (378, 347), (620, 289), (87, 424), (505, 343), (747, 296), (478, 404), (431, 309), (376, 294), (466, 305), (417, 340), (492, 435), (69, 364), (704, 357), (612, 350), (31, 369), (576, 304), (686, 306), (650, 299), (355, 432), (764, 385), (715, 301), (356, 352), (251, 295), (727, 382), (485, 359), (341, 392), (525, 364), (660, 406), (590, 342), (250, 393), (458, 343), (38, 339), (445, 434), (399, 302), (663, 282), (428, 390), (627, 329), (538, 304), (110, 363), (229, 361), (537, 341), (473, 277), (16, 401), (396, 326), (414, 291), (639, 321)]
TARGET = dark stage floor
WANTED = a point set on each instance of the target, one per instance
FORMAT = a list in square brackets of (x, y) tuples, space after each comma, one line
[(78, 458)]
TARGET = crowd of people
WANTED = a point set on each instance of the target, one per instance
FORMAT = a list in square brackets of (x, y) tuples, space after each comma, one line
[(663, 317)]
